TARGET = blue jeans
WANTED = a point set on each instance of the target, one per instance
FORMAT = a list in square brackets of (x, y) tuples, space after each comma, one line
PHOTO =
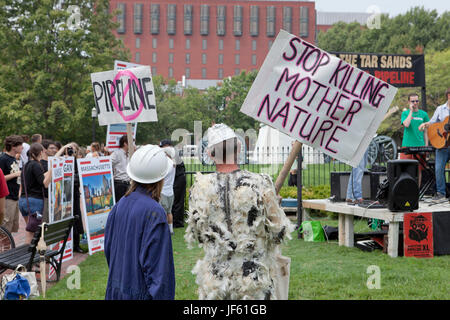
[(36, 205), (354, 187), (442, 156)]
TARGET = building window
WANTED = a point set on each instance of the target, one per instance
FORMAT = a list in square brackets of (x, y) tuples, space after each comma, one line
[(170, 72), (154, 55), (237, 21), (270, 44), (154, 43), (138, 8), (237, 59), (203, 58), (187, 19), (153, 71), (238, 44), (170, 43), (254, 59), (138, 43), (171, 18), (270, 32), (254, 45), (188, 58), (170, 57), (220, 73), (204, 44), (121, 17), (221, 19), (154, 18), (220, 44), (287, 19), (138, 57), (188, 44), (304, 19), (187, 72), (254, 21), (203, 73), (237, 71), (220, 58), (204, 19)]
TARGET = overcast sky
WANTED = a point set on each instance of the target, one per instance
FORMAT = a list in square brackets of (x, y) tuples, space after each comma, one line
[(392, 7)]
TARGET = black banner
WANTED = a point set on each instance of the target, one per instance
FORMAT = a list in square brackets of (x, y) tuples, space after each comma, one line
[(399, 70)]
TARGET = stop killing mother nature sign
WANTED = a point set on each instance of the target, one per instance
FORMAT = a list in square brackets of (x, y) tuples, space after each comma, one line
[(318, 99), (123, 96)]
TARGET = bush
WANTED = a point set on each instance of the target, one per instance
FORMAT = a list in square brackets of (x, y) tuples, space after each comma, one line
[(313, 192)]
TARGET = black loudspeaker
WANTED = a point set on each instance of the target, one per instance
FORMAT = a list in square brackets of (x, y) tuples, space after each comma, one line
[(339, 183), (403, 194)]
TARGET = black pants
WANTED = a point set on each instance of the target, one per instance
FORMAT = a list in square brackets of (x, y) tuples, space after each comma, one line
[(120, 188), (78, 226), (179, 190)]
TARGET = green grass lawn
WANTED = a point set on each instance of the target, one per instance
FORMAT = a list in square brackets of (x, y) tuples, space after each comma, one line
[(318, 271)]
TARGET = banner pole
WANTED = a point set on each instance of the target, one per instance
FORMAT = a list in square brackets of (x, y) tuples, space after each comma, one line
[(296, 148), (130, 140)]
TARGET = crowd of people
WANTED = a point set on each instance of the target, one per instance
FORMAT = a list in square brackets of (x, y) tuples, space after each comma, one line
[(25, 176)]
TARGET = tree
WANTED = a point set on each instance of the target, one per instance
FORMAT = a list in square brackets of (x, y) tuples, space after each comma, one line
[(414, 31), (47, 53)]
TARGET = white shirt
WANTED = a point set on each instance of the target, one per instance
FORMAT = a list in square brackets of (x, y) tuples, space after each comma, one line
[(23, 155), (167, 189), (119, 161), (440, 113)]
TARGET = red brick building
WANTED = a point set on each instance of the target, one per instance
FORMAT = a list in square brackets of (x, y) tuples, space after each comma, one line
[(208, 39)]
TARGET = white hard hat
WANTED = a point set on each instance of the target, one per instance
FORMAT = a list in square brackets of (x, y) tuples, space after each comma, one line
[(149, 164), (218, 133), (170, 151)]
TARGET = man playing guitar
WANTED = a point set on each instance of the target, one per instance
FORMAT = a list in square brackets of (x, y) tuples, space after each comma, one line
[(411, 119), (440, 115)]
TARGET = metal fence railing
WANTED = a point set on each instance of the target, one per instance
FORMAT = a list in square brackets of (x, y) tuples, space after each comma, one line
[(316, 166)]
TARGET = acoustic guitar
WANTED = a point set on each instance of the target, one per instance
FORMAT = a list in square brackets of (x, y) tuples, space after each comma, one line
[(438, 133)]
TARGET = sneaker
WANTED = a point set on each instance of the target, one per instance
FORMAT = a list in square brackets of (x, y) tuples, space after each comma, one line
[(350, 202), (438, 197)]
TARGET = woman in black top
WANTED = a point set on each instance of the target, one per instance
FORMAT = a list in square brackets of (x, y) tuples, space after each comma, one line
[(33, 182)]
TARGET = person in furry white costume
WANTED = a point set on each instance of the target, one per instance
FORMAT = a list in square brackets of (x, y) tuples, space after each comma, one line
[(234, 215)]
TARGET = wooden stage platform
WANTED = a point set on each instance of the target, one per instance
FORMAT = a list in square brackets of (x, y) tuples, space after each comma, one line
[(347, 212)]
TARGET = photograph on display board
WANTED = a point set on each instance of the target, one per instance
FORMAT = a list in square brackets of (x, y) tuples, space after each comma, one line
[(57, 202), (98, 194), (67, 197), (97, 186)]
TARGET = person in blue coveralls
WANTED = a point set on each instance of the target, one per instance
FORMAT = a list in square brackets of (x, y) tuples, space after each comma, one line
[(138, 246)]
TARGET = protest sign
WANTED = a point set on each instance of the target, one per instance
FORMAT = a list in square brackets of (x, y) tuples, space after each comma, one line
[(122, 65), (56, 189), (123, 96), (318, 99), (96, 180), (61, 200), (115, 132), (418, 235)]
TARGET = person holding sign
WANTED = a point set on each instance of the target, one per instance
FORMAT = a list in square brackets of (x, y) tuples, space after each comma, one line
[(442, 154), (138, 246), (235, 217), (119, 160)]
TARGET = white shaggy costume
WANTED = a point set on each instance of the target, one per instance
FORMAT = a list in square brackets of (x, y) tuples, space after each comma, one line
[(235, 217)]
